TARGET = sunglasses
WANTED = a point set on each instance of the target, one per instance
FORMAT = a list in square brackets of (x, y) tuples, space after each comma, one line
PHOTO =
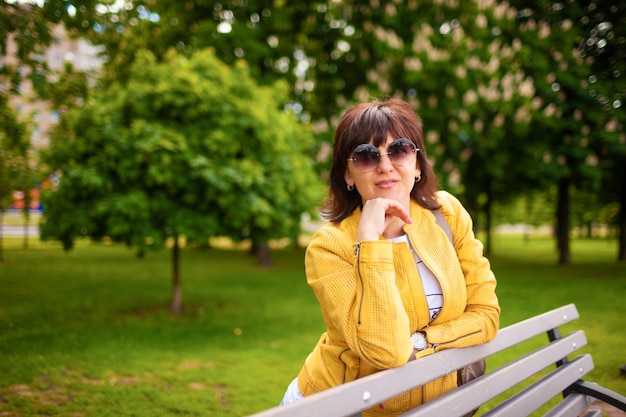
[(366, 157)]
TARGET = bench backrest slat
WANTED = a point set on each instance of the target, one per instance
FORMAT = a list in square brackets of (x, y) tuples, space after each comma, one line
[(347, 399), (499, 380), (571, 406), (531, 398)]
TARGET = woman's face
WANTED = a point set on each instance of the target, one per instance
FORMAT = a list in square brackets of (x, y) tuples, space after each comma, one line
[(387, 179)]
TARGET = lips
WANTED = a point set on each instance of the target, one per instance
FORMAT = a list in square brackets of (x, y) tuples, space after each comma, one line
[(386, 184)]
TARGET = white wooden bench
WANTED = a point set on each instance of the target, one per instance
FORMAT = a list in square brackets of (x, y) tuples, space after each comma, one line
[(539, 375)]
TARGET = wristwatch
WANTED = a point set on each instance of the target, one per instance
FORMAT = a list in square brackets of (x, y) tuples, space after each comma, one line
[(419, 341)]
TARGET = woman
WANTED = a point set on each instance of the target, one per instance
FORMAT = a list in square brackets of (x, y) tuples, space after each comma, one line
[(392, 285)]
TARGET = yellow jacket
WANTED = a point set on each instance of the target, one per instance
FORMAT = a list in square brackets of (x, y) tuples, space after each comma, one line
[(372, 304)]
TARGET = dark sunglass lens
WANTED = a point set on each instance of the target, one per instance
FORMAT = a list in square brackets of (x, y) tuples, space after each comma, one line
[(402, 146), (365, 157), (401, 150)]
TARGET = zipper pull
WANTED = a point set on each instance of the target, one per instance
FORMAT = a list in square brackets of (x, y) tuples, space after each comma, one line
[(357, 250)]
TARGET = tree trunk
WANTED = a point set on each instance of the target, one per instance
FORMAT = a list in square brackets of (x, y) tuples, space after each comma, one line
[(28, 200), (176, 306), (562, 222), (296, 237), (262, 253), (470, 205), (25, 240), (26, 224), (621, 226)]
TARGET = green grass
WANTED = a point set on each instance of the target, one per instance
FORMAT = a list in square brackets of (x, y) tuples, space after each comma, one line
[(88, 333)]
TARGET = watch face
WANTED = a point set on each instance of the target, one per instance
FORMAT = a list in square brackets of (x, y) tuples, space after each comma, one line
[(419, 341)]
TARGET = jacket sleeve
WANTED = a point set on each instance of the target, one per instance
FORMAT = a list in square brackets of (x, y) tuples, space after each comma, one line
[(360, 301), (480, 321)]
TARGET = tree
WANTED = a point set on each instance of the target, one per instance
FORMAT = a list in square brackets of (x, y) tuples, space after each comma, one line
[(503, 88), (187, 147), (450, 60), (604, 48), (566, 115)]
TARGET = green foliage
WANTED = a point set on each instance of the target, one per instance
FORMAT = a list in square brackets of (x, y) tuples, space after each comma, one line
[(187, 147), (514, 96), (16, 173), (85, 332), (14, 147)]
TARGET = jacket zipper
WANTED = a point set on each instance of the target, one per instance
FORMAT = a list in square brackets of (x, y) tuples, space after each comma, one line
[(357, 253), (436, 345)]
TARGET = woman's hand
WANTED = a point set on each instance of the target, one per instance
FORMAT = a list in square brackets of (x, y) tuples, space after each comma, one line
[(381, 215)]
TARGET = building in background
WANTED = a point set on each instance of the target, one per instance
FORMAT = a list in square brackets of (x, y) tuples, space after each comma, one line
[(83, 56)]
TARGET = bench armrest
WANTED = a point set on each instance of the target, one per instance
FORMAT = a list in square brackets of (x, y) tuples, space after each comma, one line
[(603, 394)]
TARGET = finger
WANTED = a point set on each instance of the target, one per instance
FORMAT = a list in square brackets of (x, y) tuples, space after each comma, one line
[(396, 209), (402, 215)]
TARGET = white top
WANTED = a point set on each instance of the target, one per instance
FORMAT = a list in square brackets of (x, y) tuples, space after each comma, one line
[(432, 288)]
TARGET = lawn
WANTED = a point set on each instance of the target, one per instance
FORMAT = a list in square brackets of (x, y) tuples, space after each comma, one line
[(88, 333)]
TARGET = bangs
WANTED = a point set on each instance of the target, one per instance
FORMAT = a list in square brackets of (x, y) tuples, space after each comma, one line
[(373, 126)]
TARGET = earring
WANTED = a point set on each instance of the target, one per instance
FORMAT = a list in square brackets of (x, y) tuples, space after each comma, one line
[(350, 187), (418, 178)]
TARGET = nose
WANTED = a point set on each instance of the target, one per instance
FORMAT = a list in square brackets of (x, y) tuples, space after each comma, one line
[(384, 163)]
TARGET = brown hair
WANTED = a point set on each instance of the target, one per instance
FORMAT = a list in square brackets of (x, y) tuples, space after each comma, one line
[(371, 122)]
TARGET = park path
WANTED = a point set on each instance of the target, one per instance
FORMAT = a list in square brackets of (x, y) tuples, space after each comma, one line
[(607, 410), (17, 231)]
